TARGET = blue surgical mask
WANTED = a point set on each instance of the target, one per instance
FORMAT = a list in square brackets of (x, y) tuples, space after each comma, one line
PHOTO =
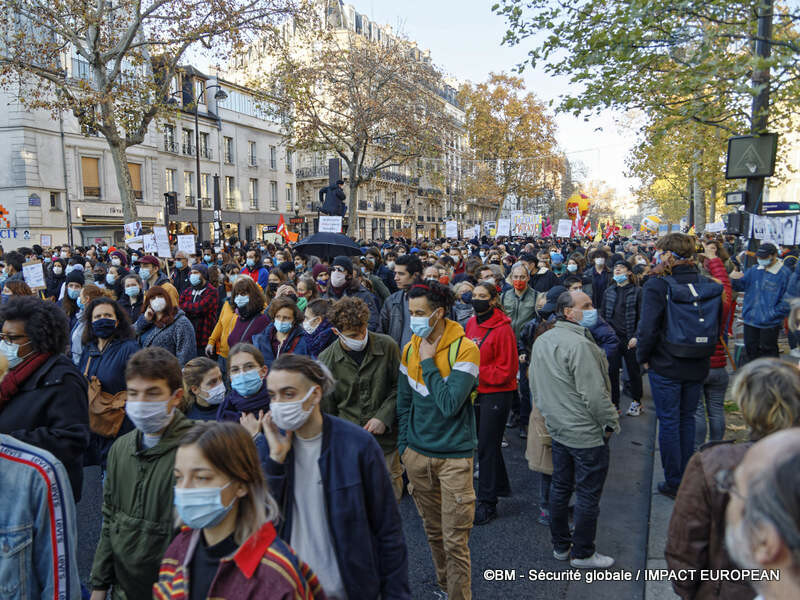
[(763, 262), (589, 318), (283, 326), (207, 258), (620, 278), (194, 279), (110, 278), (247, 383), (556, 258), (201, 507), (73, 294), (241, 300), (572, 268), (178, 264), (132, 291), (47, 260), (11, 352), (251, 262), (421, 326), (144, 274)]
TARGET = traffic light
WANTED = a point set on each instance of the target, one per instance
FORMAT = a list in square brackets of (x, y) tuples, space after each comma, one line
[(171, 198)]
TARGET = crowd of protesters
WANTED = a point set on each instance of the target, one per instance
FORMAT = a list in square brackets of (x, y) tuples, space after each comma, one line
[(258, 413)]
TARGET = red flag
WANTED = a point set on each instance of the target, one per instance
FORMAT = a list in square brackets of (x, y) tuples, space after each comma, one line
[(587, 228), (282, 230)]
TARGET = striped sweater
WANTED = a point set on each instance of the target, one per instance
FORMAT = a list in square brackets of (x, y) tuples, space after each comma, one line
[(436, 417), (37, 525)]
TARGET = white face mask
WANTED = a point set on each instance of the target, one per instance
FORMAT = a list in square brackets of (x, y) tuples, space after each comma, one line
[(338, 279), (290, 416), (390, 264), (216, 394), (158, 304), (599, 261), (309, 326), (148, 417), (116, 262), (353, 344)]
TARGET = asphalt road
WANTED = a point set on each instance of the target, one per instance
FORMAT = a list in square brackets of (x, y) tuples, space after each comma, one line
[(514, 541)]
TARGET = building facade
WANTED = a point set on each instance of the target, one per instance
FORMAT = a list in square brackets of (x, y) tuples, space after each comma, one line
[(61, 178)]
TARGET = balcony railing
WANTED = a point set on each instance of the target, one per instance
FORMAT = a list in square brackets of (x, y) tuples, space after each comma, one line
[(189, 201), (230, 203), (321, 172), (396, 208), (228, 157), (170, 145), (254, 203), (421, 218), (253, 161), (205, 152), (91, 192), (188, 149), (380, 206), (206, 202), (362, 205)]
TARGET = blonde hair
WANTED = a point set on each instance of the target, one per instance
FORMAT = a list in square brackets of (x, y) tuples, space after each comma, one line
[(768, 392)]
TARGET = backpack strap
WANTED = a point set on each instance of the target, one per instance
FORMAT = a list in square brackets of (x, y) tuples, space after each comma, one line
[(452, 352)]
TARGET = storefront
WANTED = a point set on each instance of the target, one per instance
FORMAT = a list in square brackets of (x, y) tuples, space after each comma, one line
[(245, 226)]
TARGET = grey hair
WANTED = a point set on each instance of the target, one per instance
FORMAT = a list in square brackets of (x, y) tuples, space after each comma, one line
[(773, 499), (565, 300), (517, 265)]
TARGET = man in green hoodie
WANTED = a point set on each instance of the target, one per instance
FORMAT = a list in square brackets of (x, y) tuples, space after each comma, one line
[(137, 496)]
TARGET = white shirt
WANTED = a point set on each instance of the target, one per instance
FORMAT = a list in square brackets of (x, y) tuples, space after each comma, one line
[(311, 533)]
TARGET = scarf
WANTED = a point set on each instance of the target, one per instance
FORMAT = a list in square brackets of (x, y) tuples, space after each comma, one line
[(18, 375), (235, 404)]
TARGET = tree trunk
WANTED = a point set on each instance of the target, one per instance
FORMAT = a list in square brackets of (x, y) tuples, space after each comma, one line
[(124, 183), (352, 210), (712, 206), (698, 195)]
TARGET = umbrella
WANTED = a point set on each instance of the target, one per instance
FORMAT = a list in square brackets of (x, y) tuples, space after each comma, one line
[(328, 245)]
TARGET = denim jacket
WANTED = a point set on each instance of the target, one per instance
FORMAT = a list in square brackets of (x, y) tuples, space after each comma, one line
[(37, 525)]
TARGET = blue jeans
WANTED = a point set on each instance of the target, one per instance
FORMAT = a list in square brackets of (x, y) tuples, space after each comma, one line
[(584, 470), (714, 388), (676, 404)]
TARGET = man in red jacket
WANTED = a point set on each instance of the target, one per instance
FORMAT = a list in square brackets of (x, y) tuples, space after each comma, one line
[(200, 302)]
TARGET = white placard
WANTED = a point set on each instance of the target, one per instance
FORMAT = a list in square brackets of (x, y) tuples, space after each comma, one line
[(712, 227), (162, 242), (328, 224), (149, 243), (503, 227), (33, 274), (186, 244), (451, 229), (564, 228)]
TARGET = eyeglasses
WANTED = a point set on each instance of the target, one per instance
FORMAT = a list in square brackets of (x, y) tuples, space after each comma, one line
[(11, 338), (340, 269), (725, 483)]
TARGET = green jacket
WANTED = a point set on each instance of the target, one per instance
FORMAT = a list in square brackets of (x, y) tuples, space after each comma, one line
[(138, 520), (367, 390), (571, 387), (519, 309)]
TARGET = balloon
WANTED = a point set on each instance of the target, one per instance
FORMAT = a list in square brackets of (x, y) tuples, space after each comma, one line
[(578, 204)]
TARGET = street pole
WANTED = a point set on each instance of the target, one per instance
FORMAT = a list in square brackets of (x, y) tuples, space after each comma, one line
[(197, 157), (760, 109)]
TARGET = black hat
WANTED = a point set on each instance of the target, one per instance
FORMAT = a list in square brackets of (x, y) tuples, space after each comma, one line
[(344, 262), (552, 297), (766, 250), (76, 276)]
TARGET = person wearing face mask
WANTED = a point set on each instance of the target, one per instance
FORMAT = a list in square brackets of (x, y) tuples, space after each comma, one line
[(321, 274), (364, 360), (249, 318), (367, 267), (306, 291), (43, 395), (221, 496), (180, 273), (200, 302), (491, 330), (285, 334), (139, 481), (622, 304), (342, 283), (203, 389), (165, 325), (73, 283), (330, 477), (557, 263), (108, 342), (436, 431), (55, 278), (118, 265), (317, 326), (462, 307), (381, 270), (572, 391), (254, 268), (13, 269), (598, 275), (150, 272), (248, 394), (275, 280), (132, 296), (765, 306)]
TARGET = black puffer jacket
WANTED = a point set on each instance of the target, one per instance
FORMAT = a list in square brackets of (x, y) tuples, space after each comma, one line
[(50, 410)]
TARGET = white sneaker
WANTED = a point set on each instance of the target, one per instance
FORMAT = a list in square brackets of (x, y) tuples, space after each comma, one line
[(561, 555), (635, 410), (595, 561), (440, 595)]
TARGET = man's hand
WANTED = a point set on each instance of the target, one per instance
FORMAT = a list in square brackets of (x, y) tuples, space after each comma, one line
[(279, 444), (285, 290), (375, 426), (736, 275), (210, 350), (252, 423), (632, 343), (149, 314), (427, 349)]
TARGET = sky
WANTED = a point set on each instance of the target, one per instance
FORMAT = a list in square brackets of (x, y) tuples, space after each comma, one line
[(464, 38)]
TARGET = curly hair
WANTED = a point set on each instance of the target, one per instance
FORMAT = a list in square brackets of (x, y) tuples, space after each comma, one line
[(768, 392), (124, 331), (349, 314), (436, 294), (45, 323)]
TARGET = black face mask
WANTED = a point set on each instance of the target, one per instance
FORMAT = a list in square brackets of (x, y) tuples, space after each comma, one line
[(273, 286), (480, 306)]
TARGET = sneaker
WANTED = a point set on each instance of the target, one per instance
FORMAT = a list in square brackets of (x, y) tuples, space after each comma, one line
[(561, 555), (484, 513), (595, 561), (504, 443), (667, 490), (635, 410), (544, 517), (439, 595), (513, 420)]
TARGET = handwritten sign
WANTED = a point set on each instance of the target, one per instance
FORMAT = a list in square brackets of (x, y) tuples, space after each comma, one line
[(187, 244), (162, 242), (33, 274), (328, 224)]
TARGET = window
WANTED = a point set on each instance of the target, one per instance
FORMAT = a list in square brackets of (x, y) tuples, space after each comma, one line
[(135, 171), (188, 142), (90, 169), (205, 149), (230, 192), (169, 139), (289, 205), (252, 154), (254, 194), (205, 186), (55, 200), (273, 195), (273, 157), (169, 180), (229, 150), (188, 188), (288, 160)]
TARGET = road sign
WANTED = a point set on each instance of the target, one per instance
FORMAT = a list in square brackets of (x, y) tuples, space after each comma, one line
[(781, 207)]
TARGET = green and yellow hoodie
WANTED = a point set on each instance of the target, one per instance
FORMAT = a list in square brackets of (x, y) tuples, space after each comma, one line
[(435, 414)]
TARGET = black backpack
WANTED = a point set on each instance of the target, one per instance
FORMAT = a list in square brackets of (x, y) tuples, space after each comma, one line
[(693, 317)]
